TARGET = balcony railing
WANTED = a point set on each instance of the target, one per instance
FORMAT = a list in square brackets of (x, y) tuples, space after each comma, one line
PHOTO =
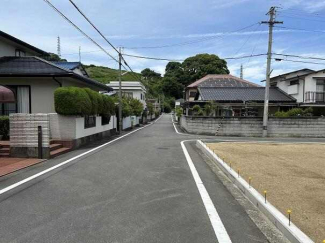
[(315, 97)]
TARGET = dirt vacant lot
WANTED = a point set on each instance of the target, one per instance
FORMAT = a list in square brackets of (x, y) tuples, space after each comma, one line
[(292, 174)]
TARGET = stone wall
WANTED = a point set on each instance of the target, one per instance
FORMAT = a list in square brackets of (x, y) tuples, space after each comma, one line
[(24, 135), (253, 126)]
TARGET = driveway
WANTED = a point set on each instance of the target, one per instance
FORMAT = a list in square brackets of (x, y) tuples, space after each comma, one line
[(139, 188)]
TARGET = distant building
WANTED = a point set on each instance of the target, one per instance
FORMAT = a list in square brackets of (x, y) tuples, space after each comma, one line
[(234, 96), (75, 67), (306, 86), (179, 103), (133, 89)]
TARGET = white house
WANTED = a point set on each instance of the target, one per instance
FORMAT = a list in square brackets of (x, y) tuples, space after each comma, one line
[(306, 86), (133, 89)]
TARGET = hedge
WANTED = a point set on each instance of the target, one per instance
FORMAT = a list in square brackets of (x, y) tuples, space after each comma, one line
[(4, 126), (94, 100), (82, 102)]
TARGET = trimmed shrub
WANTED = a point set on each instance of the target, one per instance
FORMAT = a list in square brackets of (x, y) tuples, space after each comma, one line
[(100, 101), (150, 108), (196, 108), (179, 112), (93, 96), (207, 109), (295, 112), (4, 127), (136, 106), (126, 108), (72, 101)]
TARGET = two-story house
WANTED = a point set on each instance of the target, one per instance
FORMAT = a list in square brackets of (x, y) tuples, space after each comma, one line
[(132, 89), (306, 86)]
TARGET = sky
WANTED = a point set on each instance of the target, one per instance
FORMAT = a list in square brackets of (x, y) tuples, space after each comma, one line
[(227, 28)]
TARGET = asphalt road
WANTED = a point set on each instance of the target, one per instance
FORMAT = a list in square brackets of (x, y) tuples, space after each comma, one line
[(137, 189)]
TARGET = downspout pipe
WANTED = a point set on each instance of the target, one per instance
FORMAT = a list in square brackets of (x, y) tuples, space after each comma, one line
[(60, 84)]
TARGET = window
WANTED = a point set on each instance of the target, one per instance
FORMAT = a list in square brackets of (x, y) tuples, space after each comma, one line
[(127, 94), (22, 103), (320, 86), (294, 82), (192, 94), (20, 53)]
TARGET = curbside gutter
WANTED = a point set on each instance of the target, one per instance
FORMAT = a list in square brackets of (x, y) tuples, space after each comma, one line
[(292, 232)]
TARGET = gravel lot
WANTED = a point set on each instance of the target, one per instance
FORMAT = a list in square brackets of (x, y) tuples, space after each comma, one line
[(292, 174)]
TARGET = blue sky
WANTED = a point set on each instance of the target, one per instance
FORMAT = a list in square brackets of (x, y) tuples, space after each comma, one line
[(141, 23)]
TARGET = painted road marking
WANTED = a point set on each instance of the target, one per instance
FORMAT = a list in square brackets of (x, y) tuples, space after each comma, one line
[(19, 183), (219, 228), (177, 130)]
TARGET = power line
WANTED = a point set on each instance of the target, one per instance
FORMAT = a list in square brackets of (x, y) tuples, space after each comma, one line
[(287, 60), (294, 17), (292, 28), (247, 39), (301, 57), (192, 42), (181, 60), (99, 32), (75, 26)]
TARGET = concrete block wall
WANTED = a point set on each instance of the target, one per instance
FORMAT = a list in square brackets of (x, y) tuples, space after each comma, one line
[(24, 134), (253, 127)]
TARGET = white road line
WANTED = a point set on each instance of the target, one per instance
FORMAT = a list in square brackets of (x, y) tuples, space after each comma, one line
[(6, 189), (177, 130), (219, 228)]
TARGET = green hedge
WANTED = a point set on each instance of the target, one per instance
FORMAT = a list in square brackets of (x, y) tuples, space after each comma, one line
[(4, 127), (82, 102), (295, 112)]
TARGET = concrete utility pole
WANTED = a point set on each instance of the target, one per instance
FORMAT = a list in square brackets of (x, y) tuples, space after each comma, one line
[(271, 23), (241, 71), (120, 90)]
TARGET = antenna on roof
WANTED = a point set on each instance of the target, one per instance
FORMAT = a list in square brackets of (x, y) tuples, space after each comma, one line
[(241, 71), (59, 47)]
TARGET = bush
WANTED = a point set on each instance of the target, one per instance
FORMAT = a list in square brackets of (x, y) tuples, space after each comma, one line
[(4, 127), (196, 108), (94, 100), (136, 106), (100, 101), (72, 101), (295, 112), (108, 106), (126, 108), (207, 109), (179, 112), (157, 114), (200, 113), (150, 108)]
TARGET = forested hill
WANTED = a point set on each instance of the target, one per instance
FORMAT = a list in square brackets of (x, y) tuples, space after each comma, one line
[(105, 74)]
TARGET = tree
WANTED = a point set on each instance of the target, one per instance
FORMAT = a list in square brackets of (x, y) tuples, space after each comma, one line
[(136, 106), (196, 67), (172, 88), (54, 58), (150, 75)]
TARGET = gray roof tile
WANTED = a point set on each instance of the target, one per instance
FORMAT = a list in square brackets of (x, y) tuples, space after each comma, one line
[(241, 94)]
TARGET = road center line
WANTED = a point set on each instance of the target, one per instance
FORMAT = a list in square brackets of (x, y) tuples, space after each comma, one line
[(219, 228), (19, 183)]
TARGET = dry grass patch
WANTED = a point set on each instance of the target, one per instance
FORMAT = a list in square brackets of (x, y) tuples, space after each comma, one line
[(292, 174)]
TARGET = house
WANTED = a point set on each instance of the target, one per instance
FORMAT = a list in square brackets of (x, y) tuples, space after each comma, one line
[(132, 89), (11, 46), (33, 81), (306, 86), (75, 67), (156, 104), (233, 96)]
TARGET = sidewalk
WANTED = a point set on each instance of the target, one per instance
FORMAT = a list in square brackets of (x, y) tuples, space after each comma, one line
[(9, 165)]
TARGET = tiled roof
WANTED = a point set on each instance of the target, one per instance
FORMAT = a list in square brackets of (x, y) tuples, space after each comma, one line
[(224, 80), (38, 67), (242, 94), (68, 65)]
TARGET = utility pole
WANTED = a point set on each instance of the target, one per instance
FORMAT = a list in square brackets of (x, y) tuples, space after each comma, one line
[(59, 47), (241, 71), (80, 54), (120, 90), (271, 24)]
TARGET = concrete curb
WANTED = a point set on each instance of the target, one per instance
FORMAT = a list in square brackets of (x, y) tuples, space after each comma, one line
[(292, 232)]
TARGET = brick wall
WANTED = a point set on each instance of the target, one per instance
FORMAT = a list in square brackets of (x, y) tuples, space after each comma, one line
[(24, 134), (253, 126)]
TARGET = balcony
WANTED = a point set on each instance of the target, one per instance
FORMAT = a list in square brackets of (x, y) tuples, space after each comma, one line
[(315, 97)]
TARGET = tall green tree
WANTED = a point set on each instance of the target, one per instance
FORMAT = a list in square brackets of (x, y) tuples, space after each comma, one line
[(150, 75), (172, 88), (196, 67)]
